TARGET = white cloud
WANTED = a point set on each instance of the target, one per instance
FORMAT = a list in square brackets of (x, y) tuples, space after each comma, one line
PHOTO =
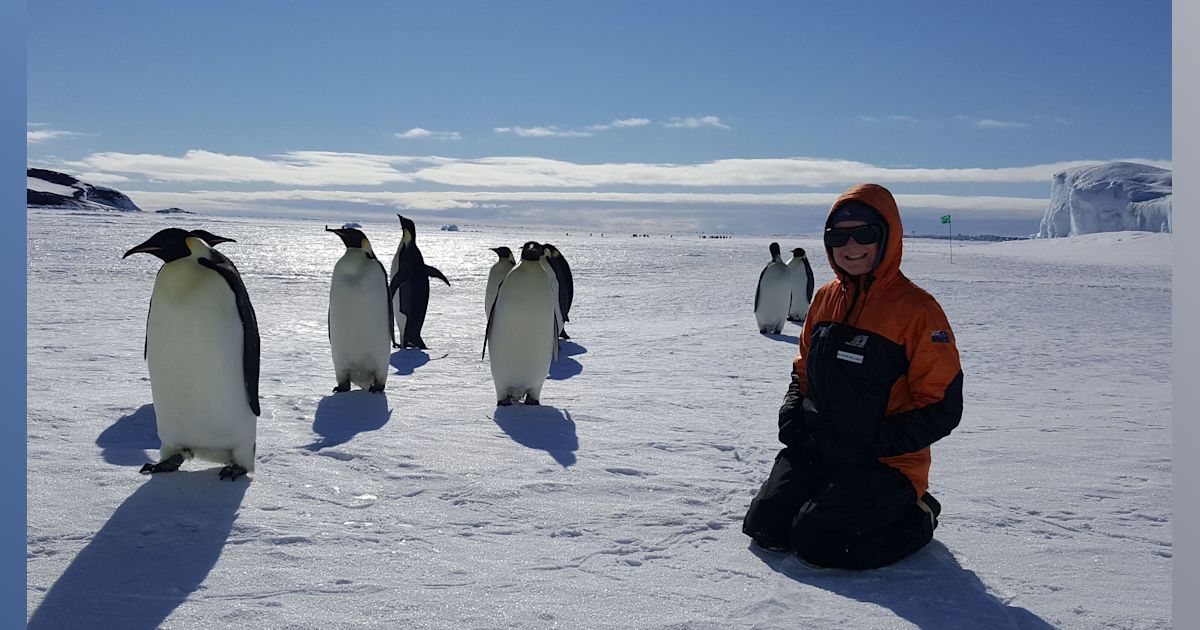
[(892, 117), (299, 168), (551, 131), (1008, 206), (999, 124), (417, 133), (317, 168), (630, 122), (694, 122), (36, 136)]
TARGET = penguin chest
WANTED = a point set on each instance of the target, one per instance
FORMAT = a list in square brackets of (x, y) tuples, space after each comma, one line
[(194, 349), (358, 311), (522, 335)]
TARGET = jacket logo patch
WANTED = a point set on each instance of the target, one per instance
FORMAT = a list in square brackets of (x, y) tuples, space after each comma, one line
[(940, 336), (849, 356), (859, 341)]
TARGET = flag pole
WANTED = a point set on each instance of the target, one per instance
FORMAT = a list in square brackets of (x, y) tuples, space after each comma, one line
[(950, 228)]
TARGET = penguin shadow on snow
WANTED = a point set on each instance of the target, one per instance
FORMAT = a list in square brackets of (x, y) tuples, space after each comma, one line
[(340, 417), (125, 442), (929, 589), (156, 549), (790, 339), (408, 360), (540, 427), (565, 367)]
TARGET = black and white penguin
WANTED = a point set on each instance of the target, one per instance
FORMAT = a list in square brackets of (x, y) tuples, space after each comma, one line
[(802, 285), (522, 329), (360, 315), (566, 284), (410, 287), (773, 295), (496, 274), (202, 350)]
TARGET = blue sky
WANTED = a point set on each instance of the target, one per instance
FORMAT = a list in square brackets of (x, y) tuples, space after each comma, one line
[(666, 115)]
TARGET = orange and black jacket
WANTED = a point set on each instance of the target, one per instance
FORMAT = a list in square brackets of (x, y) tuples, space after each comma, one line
[(878, 364)]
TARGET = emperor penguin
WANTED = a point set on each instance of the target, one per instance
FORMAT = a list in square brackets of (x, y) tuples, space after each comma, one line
[(802, 285), (360, 315), (202, 351), (410, 287), (544, 263), (566, 285), (522, 329), (499, 269), (773, 296)]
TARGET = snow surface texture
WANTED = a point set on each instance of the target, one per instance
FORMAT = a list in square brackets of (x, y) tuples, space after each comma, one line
[(618, 503), (1110, 197)]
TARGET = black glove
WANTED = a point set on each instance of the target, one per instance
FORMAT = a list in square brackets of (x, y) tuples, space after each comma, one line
[(792, 429)]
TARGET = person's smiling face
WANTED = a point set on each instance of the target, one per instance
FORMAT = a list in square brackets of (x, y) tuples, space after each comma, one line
[(854, 257)]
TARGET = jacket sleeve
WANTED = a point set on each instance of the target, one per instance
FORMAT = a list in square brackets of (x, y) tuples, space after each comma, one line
[(792, 430), (935, 381)]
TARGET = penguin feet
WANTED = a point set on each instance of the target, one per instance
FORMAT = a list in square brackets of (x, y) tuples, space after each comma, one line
[(341, 387), (376, 388), (170, 464), (504, 402), (530, 400), (232, 471), (563, 334)]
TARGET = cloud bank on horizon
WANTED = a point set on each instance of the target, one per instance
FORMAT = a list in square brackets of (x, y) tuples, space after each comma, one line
[(605, 195)]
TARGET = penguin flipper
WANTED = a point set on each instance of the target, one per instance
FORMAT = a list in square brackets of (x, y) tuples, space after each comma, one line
[(487, 333), (387, 287), (146, 339), (808, 272), (758, 288), (251, 345), (554, 335), (396, 285), (433, 272)]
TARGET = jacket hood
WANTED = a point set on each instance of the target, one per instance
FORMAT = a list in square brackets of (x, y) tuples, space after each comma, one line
[(881, 199)]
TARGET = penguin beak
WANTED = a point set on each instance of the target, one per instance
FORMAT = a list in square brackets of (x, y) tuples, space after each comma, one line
[(142, 249), (149, 247)]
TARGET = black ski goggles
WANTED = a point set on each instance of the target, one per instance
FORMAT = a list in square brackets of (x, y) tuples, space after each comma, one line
[(862, 234)]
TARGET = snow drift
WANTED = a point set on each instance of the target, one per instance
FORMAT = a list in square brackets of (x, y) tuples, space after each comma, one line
[(1110, 197)]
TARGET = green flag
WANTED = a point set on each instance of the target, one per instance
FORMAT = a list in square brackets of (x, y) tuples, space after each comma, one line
[(945, 218)]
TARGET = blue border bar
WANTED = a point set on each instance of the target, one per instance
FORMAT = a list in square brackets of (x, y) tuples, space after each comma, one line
[(13, 262)]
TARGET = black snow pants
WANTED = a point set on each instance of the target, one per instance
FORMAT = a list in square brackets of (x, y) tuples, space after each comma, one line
[(854, 517)]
